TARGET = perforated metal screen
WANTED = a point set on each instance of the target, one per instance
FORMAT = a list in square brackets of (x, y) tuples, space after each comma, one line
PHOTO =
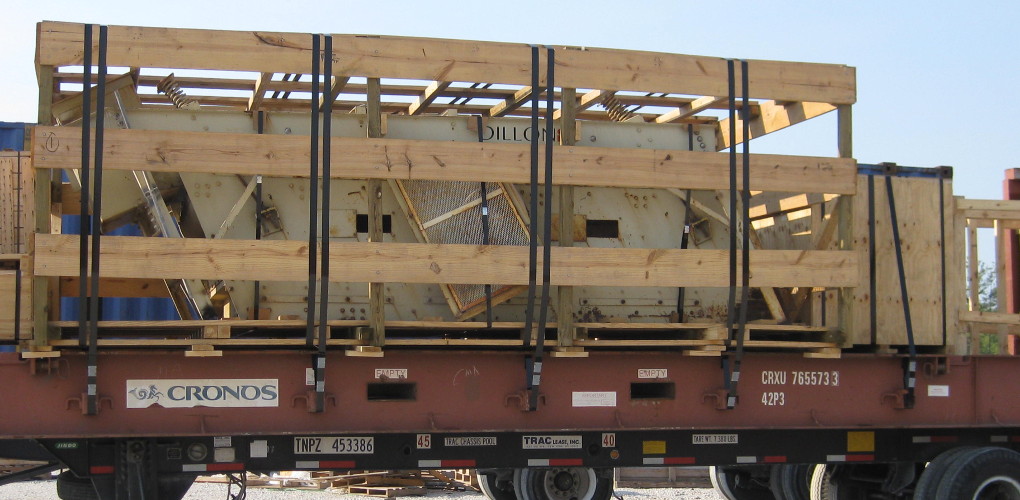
[(450, 212)]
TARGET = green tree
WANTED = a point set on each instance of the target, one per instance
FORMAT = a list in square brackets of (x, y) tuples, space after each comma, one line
[(987, 302)]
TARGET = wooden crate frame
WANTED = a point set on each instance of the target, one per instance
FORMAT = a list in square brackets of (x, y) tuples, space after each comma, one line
[(414, 76)]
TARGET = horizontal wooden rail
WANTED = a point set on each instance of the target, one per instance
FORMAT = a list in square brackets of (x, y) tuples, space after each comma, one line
[(989, 209), (59, 44), (360, 158), (274, 260)]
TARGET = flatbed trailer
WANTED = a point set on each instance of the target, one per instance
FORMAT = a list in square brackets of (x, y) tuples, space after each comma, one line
[(528, 269)]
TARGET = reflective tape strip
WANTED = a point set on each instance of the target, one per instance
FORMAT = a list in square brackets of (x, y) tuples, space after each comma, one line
[(835, 458), (91, 371), (101, 469), (555, 462), (775, 459), (324, 464), (669, 461), (212, 467), (935, 439), (446, 463), (860, 458), (1000, 439), (1015, 439), (747, 460), (92, 389)]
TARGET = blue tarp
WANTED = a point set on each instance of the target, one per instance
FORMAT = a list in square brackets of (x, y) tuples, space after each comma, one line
[(117, 308), (12, 136)]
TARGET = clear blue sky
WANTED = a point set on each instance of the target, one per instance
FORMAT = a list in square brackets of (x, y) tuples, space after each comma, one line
[(937, 80)]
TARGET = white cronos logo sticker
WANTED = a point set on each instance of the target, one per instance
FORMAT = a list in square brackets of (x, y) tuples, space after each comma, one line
[(189, 393)]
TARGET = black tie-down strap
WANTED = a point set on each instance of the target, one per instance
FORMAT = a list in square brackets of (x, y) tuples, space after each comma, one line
[(909, 364), (484, 192), (91, 211), (319, 342), (533, 364), (732, 362)]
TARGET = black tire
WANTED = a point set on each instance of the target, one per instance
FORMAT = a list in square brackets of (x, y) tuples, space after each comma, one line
[(563, 483), (831, 482), (984, 473), (741, 483), (495, 487), (933, 473), (72, 487), (791, 482)]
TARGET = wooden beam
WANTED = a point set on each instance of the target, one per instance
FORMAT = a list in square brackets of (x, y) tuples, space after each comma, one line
[(68, 109), (990, 209), (59, 44), (286, 156), (511, 103), (588, 100), (376, 289), (423, 101), (259, 92), (694, 107), (281, 260), (566, 333), (337, 84), (774, 116)]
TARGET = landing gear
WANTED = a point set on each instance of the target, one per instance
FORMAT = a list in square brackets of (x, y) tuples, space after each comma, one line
[(563, 483), (72, 487)]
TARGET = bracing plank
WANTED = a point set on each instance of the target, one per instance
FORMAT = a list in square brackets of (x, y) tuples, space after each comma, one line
[(286, 156), (773, 117), (59, 44), (272, 260), (431, 93)]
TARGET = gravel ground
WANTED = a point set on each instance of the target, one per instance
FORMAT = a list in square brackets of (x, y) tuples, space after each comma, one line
[(47, 490)]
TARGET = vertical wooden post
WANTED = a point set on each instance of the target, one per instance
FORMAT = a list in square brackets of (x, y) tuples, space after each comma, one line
[(43, 289), (845, 137), (972, 266), (565, 331), (376, 292)]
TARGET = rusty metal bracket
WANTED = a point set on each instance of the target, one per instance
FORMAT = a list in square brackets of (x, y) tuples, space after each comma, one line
[(522, 400), (717, 398), (308, 399), (82, 403), (936, 366), (896, 398)]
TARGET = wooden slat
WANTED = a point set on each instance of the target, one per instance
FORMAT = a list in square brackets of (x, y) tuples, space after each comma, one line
[(511, 103), (259, 92), (271, 260), (59, 44), (694, 107), (990, 209), (286, 155), (773, 117), (431, 93)]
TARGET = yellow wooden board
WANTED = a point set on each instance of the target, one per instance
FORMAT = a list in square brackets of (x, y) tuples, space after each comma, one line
[(370, 158), (274, 260)]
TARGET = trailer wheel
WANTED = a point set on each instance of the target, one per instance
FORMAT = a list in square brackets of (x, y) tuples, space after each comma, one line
[(791, 482), (742, 483), (72, 487), (982, 474), (933, 473), (497, 486), (563, 483), (832, 482)]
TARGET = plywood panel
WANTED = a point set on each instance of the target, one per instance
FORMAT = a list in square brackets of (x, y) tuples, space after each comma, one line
[(16, 205), (917, 209), (8, 290)]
